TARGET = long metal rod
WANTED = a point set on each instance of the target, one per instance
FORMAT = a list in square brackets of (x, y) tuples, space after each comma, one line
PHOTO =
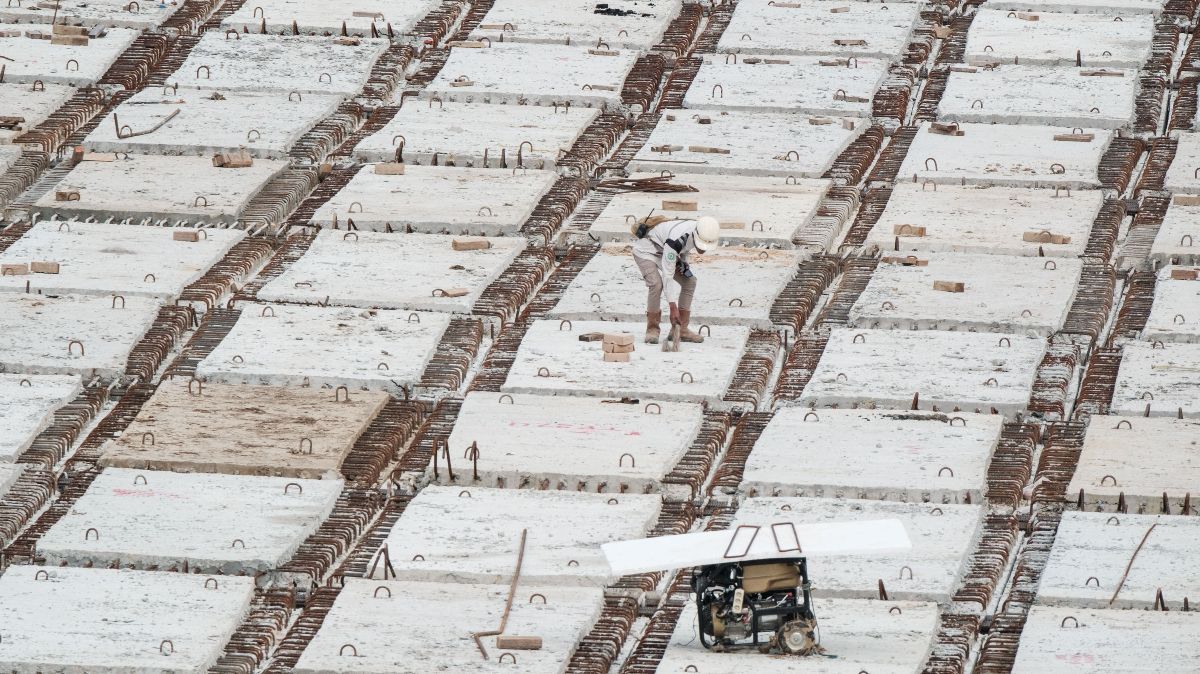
[(512, 590), (1130, 565)]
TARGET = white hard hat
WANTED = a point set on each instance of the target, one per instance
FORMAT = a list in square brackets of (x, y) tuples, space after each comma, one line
[(708, 233)]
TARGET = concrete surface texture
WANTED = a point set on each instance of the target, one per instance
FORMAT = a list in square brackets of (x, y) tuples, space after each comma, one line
[(1183, 177), (1107, 642), (392, 271), (1004, 155), (630, 24), (329, 17), (1179, 236), (213, 523), (74, 65), (306, 346), (1159, 377), (1106, 7), (758, 144), (264, 124), (735, 286), (441, 639), (535, 74), (27, 406), (258, 62), (949, 370), (117, 13), (553, 361), (108, 621), (1092, 551), (898, 456), (8, 155), (21, 100), (1175, 316), (472, 535), (799, 84), (755, 211), (760, 27), (149, 186), (82, 335), (244, 430), (858, 635), (1025, 295), (104, 259), (1160, 457), (1040, 95), (987, 220), (1058, 39), (539, 442), (437, 199), (512, 135), (942, 536), (9, 474)]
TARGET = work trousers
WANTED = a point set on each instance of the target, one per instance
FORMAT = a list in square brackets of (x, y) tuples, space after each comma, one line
[(654, 285)]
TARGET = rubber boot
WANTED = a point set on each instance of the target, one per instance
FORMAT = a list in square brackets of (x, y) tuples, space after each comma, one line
[(685, 334), (652, 330)]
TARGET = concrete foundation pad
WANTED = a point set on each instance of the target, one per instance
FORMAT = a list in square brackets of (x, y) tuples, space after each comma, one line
[(392, 271), (1107, 641), (989, 220), (735, 286), (26, 409), (1054, 39), (1093, 549), (473, 535), (262, 430), (949, 370), (441, 640), (529, 135), (59, 63), (904, 456), (37, 333), (438, 199), (553, 361), (858, 635), (329, 17), (1175, 315), (1039, 95), (801, 84), (215, 523), (20, 100), (1104, 7), (1159, 375), (107, 621), (631, 24), (306, 346), (1025, 295), (1158, 458), (1178, 237), (760, 27), (112, 13), (759, 144), (9, 474), (9, 154), (1182, 176), (1014, 156), (103, 259)]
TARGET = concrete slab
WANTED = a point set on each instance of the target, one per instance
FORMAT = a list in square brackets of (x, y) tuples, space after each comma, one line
[(1160, 375), (568, 366), (1054, 39), (1019, 94), (113, 13), (1107, 642), (9, 154), (266, 125), (27, 409), (629, 24), (769, 210), (1025, 295), (439, 199), (942, 537), (1178, 236), (950, 370), (760, 27), (1183, 177), (1174, 317), (108, 621), (541, 442), (987, 220), (799, 84), (858, 635), (392, 271), (997, 154), (473, 535), (20, 100), (306, 346), (461, 133), (37, 331), (735, 286), (329, 17), (1104, 7), (256, 62), (441, 640), (36, 59), (1159, 458), (262, 430), (1100, 546), (759, 144), (9, 474), (148, 186), (900, 456), (103, 259), (213, 523), (534, 74)]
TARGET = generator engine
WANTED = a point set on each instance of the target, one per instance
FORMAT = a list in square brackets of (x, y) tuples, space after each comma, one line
[(767, 605)]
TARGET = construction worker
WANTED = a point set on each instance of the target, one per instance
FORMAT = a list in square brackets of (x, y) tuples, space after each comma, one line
[(662, 257)]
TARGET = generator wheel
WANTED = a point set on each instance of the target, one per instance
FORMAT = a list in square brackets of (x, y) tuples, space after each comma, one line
[(798, 637)]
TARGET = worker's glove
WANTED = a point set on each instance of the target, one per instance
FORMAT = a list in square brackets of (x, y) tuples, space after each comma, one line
[(675, 314)]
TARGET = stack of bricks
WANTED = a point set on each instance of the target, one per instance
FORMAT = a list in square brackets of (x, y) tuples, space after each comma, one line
[(617, 347)]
